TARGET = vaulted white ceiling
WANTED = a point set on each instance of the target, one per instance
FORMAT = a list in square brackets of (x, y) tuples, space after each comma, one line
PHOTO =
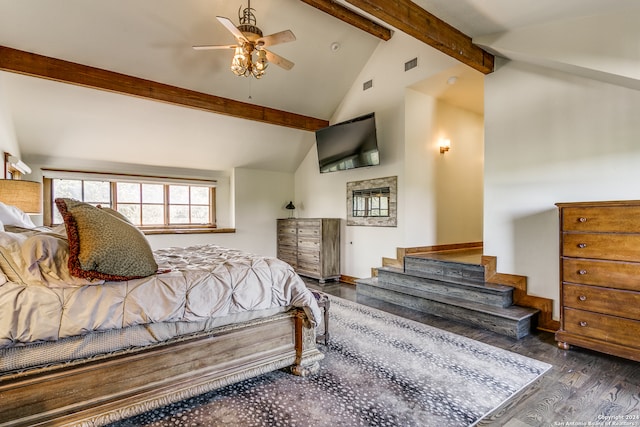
[(152, 39)]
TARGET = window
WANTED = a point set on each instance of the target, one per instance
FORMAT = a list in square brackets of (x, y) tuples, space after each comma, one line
[(371, 202), (155, 207)]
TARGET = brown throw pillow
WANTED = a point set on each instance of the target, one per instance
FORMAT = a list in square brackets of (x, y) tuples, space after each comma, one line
[(102, 246)]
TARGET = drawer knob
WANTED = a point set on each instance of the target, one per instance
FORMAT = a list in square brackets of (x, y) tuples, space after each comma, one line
[(582, 297), (583, 323), (582, 245), (582, 219), (582, 272)]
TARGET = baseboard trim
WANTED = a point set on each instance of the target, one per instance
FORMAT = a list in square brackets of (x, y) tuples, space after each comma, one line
[(349, 280)]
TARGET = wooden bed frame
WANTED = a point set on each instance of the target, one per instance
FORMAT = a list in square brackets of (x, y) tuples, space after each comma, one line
[(97, 392)]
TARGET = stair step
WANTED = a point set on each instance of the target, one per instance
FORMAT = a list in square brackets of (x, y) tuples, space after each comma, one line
[(464, 289), (445, 270), (511, 321)]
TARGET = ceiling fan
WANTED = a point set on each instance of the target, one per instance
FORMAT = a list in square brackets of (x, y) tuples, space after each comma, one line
[(250, 42)]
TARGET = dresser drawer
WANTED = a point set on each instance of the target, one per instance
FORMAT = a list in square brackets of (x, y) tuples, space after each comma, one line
[(288, 252), (287, 240), (309, 262), (309, 223), (309, 232), (617, 219), (309, 244), (309, 269), (602, 300), (610, 329), (308, 257), (291, 261), (621, 247), (611, 274), (287, 230)]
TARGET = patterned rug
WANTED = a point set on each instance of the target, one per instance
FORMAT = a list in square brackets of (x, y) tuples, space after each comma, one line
[(379, 370)]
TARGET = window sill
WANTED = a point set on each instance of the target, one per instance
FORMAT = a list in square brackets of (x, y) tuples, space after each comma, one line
[(198, 230)]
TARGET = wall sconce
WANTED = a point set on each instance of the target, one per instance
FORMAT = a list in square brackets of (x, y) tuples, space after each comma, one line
[(445, 145), (18, 165), (14, 167), (291, 208)]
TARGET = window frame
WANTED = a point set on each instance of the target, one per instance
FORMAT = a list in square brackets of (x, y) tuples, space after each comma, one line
[(354, 188), (113, 179)]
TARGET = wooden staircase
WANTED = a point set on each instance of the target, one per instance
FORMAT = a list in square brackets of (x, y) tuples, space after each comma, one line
[(459, 283)]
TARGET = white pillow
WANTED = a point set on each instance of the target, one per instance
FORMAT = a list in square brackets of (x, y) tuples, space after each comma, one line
[(11, 215)]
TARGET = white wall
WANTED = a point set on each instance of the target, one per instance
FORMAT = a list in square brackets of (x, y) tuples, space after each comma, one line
[(459, 175), (551, 137), (407, 123), (324, 196), (443, 192), (258, 198), (8, 141)]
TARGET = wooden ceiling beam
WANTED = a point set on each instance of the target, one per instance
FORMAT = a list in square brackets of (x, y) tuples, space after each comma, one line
[(31, 64), (350, 17), (410, 18)]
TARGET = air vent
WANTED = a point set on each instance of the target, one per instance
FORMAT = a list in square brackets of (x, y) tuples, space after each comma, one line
[(413, 63), (367, 85)]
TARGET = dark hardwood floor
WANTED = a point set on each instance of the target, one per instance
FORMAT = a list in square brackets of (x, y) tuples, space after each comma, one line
[(584, 388)]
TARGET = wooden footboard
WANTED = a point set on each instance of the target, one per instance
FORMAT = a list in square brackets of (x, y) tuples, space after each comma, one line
[(98, 392)]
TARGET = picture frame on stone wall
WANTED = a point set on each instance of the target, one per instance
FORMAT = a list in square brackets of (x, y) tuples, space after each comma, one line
[(372, 202)]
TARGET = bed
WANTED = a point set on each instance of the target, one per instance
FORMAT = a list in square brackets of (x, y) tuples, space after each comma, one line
[(95, 327)]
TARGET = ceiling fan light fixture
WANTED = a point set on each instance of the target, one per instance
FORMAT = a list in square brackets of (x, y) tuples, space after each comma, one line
[(258, 68), (251, 57), (241, 62), (261, 63)]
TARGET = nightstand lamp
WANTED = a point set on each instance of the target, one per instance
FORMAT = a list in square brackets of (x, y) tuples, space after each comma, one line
[(291, 208)]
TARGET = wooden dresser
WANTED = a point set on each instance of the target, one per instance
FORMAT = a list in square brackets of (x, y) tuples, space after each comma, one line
[(311, 246), (600, 277)]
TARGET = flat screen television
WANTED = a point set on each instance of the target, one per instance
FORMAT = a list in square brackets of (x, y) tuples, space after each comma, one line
[(348, 145)]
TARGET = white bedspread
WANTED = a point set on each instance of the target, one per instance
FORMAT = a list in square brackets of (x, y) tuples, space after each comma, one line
[(203, 281)]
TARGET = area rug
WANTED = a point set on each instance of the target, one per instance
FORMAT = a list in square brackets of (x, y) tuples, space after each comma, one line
[(379, 370)]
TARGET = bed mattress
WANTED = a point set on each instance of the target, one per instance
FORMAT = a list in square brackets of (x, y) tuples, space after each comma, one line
[(196, 284)]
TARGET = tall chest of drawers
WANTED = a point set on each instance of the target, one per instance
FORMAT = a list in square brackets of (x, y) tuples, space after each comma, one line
[(311, 246), (600, 277)]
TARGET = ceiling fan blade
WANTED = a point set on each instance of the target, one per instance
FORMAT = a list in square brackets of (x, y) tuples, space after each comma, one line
[(277, 38), (232, 28), (278, 60), (221, 46)]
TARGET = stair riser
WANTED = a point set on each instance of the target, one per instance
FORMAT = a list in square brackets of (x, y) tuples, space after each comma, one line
[(418, 285), (509, 327), (442, 270)]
